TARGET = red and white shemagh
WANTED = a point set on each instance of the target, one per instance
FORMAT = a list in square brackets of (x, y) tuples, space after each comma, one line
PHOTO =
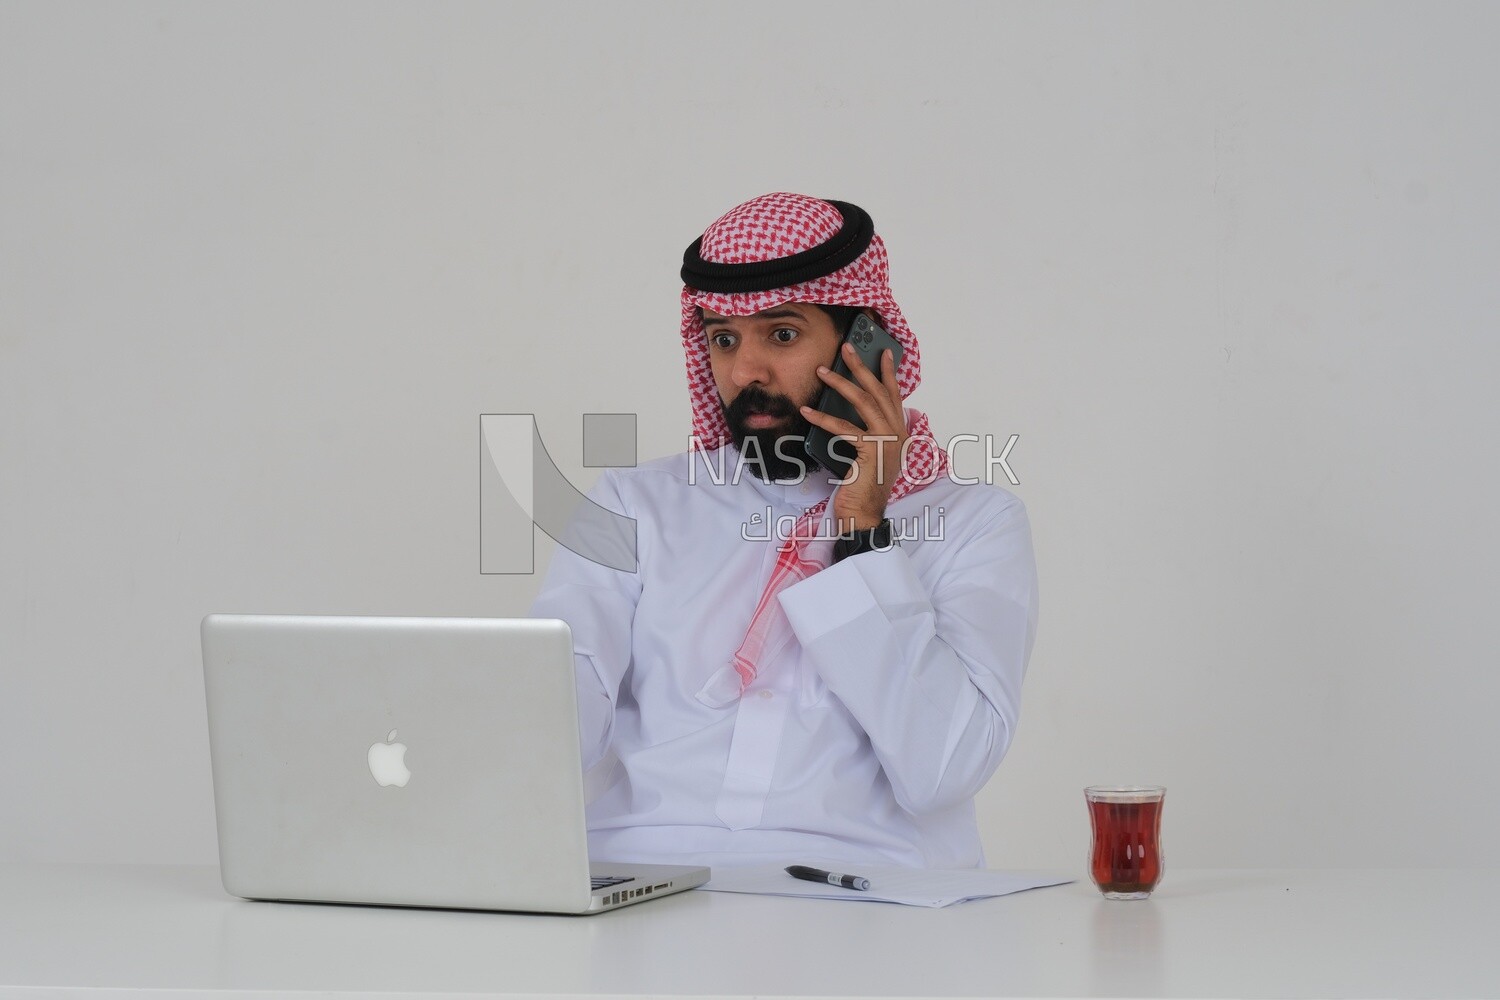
[(767, 228)]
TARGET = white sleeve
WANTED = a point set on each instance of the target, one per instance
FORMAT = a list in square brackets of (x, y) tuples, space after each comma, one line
[(598, 603), (932, 672)]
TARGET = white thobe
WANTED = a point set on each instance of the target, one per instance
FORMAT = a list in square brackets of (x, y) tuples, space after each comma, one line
[(864, 739)]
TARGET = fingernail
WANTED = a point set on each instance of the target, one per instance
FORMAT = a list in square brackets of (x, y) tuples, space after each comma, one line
[(822, 369)]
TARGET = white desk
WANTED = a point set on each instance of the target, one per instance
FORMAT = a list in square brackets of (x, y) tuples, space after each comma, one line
[(153, 929)]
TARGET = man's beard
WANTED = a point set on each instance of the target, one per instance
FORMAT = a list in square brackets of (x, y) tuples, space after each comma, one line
[(770, 452)]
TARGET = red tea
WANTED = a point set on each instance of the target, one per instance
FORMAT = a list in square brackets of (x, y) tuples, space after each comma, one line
[(1126, 858)]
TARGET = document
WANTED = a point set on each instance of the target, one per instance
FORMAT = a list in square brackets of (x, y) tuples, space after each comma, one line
[(888, 883)]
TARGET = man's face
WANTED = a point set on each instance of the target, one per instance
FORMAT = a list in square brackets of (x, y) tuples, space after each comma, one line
[(765, 366)]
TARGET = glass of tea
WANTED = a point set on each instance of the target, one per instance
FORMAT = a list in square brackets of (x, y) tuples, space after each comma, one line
[(1125, 860)]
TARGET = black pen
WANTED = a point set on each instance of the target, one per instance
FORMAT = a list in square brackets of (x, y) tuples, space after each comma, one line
[(832, 878)]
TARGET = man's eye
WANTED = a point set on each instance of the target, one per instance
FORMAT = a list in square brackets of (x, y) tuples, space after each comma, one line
[(785, 329), (718, 340)]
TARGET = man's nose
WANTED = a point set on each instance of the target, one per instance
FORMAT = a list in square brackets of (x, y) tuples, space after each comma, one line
[(752, 364)]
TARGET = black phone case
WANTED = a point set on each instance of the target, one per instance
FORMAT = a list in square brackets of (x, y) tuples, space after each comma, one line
[(869, 339)]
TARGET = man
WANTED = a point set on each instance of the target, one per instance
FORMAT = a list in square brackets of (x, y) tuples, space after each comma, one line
[(772, 696)]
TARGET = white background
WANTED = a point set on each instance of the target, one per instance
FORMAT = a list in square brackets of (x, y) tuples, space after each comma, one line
[(1229, 270)]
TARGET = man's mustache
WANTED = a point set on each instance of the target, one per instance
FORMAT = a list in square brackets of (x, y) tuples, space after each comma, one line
[(757, 401)]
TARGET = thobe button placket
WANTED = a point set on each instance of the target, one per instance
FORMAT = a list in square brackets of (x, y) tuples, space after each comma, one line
[(753, 750)]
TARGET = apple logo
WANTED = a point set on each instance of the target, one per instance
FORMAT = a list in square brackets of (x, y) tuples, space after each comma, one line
[(387, 763)]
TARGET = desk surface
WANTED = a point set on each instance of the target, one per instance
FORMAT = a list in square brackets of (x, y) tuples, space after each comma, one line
[(1298, 933)]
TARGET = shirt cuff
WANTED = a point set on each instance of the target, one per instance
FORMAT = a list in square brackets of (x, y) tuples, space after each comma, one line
[(840, 593)]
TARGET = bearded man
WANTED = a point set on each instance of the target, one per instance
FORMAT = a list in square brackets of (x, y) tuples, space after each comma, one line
[(838, 691)]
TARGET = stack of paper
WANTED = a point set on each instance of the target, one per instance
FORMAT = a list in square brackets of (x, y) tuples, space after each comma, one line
[(888, 883)]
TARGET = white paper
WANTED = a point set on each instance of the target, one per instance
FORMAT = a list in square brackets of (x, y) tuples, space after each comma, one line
[(888, 883)]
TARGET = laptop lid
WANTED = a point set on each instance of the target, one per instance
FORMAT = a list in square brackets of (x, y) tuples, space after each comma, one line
[(397, 761)]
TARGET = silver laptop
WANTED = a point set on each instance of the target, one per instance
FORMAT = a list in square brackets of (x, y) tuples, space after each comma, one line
[(406, 762)]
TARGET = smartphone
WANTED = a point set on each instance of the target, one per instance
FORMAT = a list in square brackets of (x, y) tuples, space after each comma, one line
[(869, 339)]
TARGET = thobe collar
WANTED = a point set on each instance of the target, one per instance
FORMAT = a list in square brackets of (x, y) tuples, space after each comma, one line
[(805, 493)]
